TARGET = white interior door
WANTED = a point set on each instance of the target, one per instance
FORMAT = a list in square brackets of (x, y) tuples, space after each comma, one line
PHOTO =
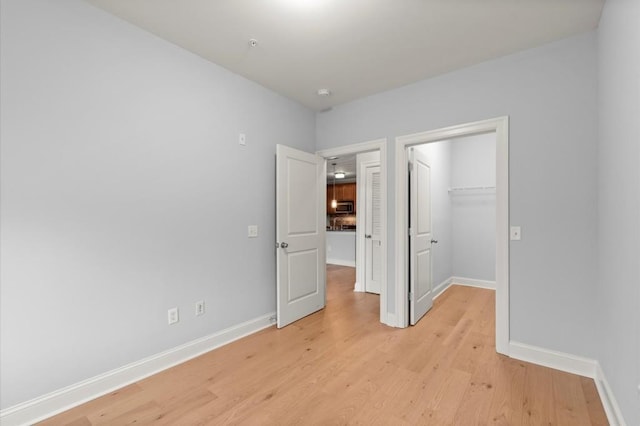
[(300, 234), (373, 226), (420, 287)]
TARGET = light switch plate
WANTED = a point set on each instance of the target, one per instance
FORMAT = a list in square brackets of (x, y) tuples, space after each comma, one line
[(252, 231), (515, 233), (200, 308), (242, 139)]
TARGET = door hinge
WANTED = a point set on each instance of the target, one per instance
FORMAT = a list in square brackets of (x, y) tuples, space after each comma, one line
[(409, 232), (410, 296)]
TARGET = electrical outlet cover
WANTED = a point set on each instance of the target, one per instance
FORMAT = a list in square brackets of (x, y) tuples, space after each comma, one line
[(173, 316)]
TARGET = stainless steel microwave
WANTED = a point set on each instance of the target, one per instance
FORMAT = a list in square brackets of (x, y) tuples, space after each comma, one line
[(344, 207)]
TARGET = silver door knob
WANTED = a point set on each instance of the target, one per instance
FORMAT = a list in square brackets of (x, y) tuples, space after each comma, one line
[(284, 245), (434, 241), (367, 236)]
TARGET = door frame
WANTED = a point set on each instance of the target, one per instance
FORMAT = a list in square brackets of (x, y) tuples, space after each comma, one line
[(358, 148), (500, 126)]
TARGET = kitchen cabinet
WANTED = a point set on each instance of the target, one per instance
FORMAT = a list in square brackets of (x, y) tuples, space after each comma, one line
[(349, 192), (344, 192)]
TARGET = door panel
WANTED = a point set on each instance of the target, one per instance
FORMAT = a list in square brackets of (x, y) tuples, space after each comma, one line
[(420, 277), (300, 234), (301, 279), (302, 182)]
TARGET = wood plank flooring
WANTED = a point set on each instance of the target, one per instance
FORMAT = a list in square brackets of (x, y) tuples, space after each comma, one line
[(341, 366)]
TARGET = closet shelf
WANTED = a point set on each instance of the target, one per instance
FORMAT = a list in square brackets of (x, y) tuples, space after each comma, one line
[(470, 188)]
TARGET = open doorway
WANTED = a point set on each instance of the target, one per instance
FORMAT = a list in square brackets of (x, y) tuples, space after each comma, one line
[(354, 217), (500, 127), (342, 210), (452, 217), (359, 224)]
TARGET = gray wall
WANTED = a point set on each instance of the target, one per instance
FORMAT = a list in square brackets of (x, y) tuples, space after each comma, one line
[(550, 95), (125, 193), (618, 292), (473, 213)]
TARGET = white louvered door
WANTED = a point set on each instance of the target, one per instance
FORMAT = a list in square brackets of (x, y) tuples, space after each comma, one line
[(373, 225)]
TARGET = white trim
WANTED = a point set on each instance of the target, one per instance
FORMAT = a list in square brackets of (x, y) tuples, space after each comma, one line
[(553, 359), (48, 405), (386, 317), (356, 148), (340, 262), (575, 365), (468, 282), (358, 287), (500, 126), (472, 282), (391, 319), (611, 407), (442, 287)]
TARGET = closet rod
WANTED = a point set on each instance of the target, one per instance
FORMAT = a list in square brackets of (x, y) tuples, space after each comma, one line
[(470, 188)]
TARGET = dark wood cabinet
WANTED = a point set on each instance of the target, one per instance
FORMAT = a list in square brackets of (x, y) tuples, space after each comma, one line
[(343, 192), (349, 193)]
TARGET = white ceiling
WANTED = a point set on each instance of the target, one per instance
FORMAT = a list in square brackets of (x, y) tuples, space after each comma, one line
[(346, 164), (354, 48)]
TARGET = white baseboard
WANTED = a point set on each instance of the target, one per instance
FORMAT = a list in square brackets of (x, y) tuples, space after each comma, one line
[(472, 282), (572, 364), (392, 320), (442, 287), (340, 262), (63, 399), (611, 407), (558, 360), (358, 287)]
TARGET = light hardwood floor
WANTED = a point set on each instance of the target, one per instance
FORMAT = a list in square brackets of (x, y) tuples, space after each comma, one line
[(341, 366)]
